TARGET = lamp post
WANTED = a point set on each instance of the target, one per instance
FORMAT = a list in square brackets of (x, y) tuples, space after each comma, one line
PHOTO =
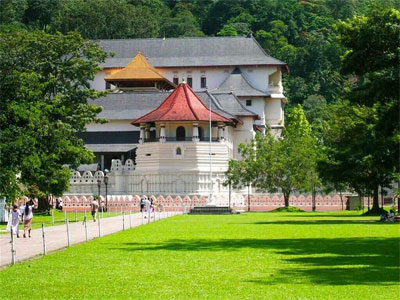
[(98, 185), (210, 200), (106, 184)]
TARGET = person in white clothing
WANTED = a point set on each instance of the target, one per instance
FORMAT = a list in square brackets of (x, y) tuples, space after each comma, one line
[(15, 215), (147, 204)]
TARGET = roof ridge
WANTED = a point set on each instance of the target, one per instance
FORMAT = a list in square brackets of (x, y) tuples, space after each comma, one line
[(179, 38), (184, 85)]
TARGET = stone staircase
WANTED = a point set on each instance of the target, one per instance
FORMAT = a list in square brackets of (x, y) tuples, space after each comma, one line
[(211, 210)]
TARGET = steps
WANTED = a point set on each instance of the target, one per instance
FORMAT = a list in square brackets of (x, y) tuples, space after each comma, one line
[(211, 210)]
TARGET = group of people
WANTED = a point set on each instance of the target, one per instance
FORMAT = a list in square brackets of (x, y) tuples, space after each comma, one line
[(24, 213), (387, 217), (147, 206)]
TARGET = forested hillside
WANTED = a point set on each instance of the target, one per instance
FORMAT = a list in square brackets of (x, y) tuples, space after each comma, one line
[(298, 32)]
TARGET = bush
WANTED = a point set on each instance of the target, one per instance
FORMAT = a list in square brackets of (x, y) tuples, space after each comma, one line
[(288, 209)]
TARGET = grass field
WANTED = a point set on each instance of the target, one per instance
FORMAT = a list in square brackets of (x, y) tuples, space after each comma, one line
[(337, 255), (59, 219)]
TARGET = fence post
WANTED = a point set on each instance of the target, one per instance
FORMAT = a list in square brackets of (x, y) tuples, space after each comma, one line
[(98, 225), (123, 220), (86, 232), (68, 241), (44, 240), (12, 247), (52, 216), (130, 218)]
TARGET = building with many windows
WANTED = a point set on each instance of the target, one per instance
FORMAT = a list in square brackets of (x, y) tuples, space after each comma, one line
[(177, 111)]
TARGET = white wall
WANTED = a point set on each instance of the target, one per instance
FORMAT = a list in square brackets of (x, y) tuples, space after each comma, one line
[(274, 111), (112, 125), (242, 134), (257, 106)]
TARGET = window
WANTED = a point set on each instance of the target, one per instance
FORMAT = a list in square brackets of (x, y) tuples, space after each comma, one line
[(176, 80), (180, 133), (203, 82), (178, 151), (108, 85), (248, 103), (190, 81)]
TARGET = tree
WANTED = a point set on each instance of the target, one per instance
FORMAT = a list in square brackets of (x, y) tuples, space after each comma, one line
[(289, 162), (44, 87), (106, 19), (227, 30), (243, 173), (362, 137), (283, 164)]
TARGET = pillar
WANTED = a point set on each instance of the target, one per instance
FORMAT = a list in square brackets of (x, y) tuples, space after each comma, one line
[(141, 138), (195, 135), (147, 133), (102, 161), (221, 132), (162, 134)]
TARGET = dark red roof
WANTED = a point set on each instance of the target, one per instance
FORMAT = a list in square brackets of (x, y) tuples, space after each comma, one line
[(181, 105)]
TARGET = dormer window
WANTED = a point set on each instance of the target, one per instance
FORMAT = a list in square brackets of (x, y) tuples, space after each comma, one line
[(248, 102), (203, 82)]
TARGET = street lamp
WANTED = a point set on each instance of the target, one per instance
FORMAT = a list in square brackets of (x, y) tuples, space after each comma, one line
[(106, 184), (99, 185)]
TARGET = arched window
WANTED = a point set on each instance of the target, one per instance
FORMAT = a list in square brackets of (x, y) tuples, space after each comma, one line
[(180, 133), (178, 151), (201, 133)]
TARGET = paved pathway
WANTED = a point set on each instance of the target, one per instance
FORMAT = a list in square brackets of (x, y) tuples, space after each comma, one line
[(56, 236)]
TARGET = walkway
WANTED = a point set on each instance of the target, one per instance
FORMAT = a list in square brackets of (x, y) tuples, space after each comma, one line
[(56, 236)]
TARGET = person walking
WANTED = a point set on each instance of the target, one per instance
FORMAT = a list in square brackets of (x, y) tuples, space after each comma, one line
[(28, 217), (94, 206), (147, 204), (15, 215)]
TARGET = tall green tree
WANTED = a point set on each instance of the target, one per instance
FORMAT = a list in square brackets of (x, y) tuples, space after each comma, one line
[(362, 140), (44, 88)]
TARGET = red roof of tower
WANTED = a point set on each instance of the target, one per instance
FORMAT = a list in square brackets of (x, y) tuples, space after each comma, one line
[(181, 105)]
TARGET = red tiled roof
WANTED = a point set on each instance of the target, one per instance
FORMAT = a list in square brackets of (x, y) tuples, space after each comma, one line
[(181, 105)]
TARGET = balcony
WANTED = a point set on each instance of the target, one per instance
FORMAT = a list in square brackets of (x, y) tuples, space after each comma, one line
[(186, 139)]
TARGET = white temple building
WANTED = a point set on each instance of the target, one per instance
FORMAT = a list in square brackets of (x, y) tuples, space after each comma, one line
[(165, 96)]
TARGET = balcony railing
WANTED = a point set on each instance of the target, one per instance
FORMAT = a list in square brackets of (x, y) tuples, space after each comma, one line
[(186, 139)]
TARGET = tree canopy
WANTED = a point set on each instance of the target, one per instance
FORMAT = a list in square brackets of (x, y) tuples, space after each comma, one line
[(44, 87)]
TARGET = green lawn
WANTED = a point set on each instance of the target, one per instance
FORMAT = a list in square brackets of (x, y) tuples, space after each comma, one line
[(251, 256), (59, 219)]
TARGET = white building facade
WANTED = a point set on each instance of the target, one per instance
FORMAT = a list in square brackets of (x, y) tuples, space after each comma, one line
[(231, 76)]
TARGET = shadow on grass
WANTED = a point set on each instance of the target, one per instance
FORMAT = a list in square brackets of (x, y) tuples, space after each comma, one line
[(321, 222), (337, 261)]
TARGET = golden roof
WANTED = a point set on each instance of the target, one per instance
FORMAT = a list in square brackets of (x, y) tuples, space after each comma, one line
[(137, 69)]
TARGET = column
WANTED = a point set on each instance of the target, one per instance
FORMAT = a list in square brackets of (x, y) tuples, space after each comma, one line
[(162, 134), (221, 132), (147, 133), (195, 135), (141, 138), (102, 161)]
